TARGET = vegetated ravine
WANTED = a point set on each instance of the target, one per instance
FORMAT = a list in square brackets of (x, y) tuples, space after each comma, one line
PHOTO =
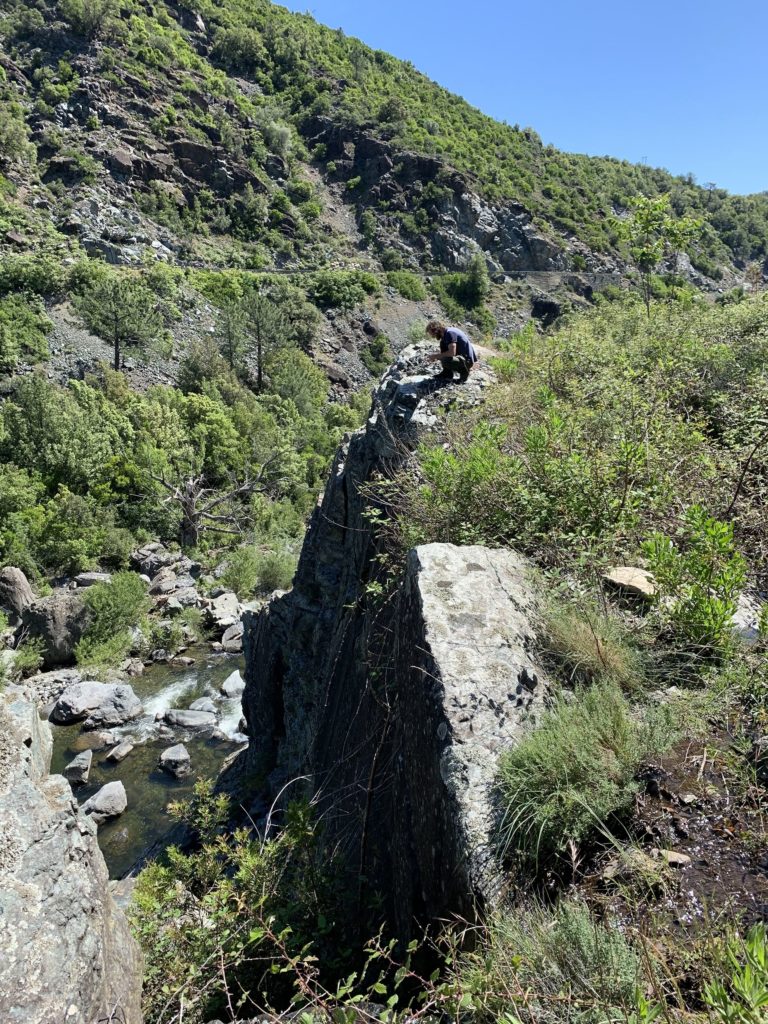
[(503, 643)]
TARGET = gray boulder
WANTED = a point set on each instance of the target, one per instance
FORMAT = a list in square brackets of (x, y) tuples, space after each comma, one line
[(60, 622), (79, 768), (109, 802), (90, 579), (176, 761), (15, 593), (224, 611), (98, 705), (203, 704), (195, 721), (232, 641), (120, 752), (68, 954), (233, 685)]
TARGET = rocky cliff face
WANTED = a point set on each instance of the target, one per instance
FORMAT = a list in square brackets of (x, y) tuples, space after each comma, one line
[(67, 952), (391, 713)]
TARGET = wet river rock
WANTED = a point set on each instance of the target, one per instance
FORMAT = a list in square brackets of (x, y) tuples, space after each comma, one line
[(97, 705)]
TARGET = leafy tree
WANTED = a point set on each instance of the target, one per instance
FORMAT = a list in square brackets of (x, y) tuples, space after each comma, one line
[(89, 18), (652, 233), (122, 311)]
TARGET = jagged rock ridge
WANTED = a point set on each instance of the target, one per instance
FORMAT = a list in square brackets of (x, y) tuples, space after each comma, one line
[(392, 714)]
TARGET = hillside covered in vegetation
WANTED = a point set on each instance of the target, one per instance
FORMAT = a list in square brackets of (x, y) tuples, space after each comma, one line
[(220, 224)]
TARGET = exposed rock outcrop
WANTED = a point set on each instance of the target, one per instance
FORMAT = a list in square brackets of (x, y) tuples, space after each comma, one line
[(68, 954), (15, 592), (60, 622), (397, 711), (97, 705)]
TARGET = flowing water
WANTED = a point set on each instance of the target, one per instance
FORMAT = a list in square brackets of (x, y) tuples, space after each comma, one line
[(149, 790)]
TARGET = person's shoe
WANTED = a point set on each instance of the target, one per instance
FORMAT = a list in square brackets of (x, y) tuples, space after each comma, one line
[(463, 377), (444, 375)]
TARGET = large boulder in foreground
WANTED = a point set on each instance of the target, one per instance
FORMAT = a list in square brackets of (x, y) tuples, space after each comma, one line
[(67, 952), (60, 622), (97, 705), (15, 593)]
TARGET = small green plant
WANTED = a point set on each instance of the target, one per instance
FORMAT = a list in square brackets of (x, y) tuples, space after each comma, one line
[(742, 997), (593, 644), (545, 965), (276, 569), (566, 781), (703, 576)]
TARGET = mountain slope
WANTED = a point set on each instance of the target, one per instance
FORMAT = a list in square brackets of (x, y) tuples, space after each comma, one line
[(194, 125)]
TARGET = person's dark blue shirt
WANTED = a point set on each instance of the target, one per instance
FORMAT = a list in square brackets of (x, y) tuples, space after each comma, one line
[(464, 347)]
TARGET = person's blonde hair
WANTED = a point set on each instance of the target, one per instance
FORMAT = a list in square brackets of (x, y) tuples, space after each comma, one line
[(436, 329)]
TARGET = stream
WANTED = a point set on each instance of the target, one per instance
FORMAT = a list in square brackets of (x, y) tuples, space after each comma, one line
[(149, 790)]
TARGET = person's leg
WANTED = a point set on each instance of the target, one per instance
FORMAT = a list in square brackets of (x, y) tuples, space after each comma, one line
[(448, 369), (463, 369)]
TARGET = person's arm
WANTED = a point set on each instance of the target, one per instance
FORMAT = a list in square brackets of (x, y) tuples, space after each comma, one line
[(448, 354)]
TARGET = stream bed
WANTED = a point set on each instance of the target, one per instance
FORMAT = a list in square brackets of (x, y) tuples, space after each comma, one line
[(149, 790)]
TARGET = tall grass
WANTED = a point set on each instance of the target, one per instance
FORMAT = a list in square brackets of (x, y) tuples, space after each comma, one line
[(572, 776)]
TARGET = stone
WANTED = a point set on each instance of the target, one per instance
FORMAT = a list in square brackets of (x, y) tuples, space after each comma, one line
[(183, 661), (746, 620), (673, 858), (233, 685), (120, 161), (97, 705), (97, 740), (60, 622), (195, 721), (108, 802), (46, 687), (203, 704), (79, 768), (223, 611), (232, 640), (176, 761), (65, 943), (15, 593), (120, 752), (632, 865), (631, 581), (90, 579)]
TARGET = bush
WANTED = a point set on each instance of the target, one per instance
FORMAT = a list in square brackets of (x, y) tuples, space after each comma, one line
[(241, 573), (703, 577), (566, 781), (376, 355), (114, 608), (546, 965), (23, 332), (341, 289), (407, 284), (276, 570), (43, 275)]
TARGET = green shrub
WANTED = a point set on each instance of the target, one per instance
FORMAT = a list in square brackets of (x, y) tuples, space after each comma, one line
[(241, 573), (407, 284), (341, 289), (703, 575), (376, 355), (565, 781), (23, 332), (276, 569), (43, 275), (741, 995), (546, 965), (114, 608)]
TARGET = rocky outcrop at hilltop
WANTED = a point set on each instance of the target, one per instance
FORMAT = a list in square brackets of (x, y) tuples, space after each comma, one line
[(392, 714), (67, 952)]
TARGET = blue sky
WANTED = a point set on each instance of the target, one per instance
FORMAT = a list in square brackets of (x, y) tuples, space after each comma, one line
[(681, 84)]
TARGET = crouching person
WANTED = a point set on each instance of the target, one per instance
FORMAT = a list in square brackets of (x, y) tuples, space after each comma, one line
[(457, 353)]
